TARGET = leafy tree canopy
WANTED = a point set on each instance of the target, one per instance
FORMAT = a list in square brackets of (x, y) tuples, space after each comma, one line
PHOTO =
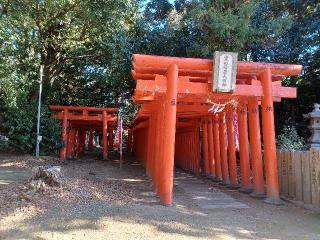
[(85, 47)]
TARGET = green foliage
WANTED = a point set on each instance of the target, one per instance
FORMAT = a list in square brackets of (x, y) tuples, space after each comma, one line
[(85, 50), (298, 44), (86, 47), (68, 38), (235, 25), (290, 140), (4, 145), (20, 124), (227, 24)]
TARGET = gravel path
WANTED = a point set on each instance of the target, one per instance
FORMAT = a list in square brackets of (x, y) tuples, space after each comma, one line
[(99, 201)]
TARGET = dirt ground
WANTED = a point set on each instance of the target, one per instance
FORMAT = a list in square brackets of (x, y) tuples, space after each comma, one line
[(97, 200)]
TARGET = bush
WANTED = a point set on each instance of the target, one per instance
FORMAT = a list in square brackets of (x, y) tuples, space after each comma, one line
[(20, 124), (290, 140), (3, 143)]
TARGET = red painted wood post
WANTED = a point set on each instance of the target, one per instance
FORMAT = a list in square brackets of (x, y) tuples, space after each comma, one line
[(218, 171), (197, 146), (223, 148), (155, 149), (146, 149), (255, 142), (155, 143), (75, 143), (211, 149), (64, 135), (148, 145), (77, 146), (167, 163), (186, 144), (104, 135), (157, 157), (84, 137), (82, 140), (232, 149), (190, 150), (269, 139), (90, 140), (246, 186), (161, 149), (70, 143), (205, 148)]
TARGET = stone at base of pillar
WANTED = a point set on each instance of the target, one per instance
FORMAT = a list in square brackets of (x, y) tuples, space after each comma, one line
[(224, 183), (277, 202), (166, 205), (210, 176), (245, 190), (233, 186), (258, 195), (216, 179)]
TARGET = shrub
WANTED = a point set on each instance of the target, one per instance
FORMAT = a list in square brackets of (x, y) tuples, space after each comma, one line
[(20, 124), (290, 140)]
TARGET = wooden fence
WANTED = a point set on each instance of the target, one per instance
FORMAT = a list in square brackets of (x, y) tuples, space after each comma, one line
[(299, 176)]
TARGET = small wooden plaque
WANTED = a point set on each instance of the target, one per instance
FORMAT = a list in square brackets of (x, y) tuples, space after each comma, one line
[(225, 71)]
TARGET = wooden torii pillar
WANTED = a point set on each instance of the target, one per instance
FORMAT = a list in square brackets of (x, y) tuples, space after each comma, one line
[(104, 135), (269, 138), (223, 148), (205, 147), (64, 135), (210, 149), (246, 185), (232, 149), (167, 163), (217, 152), (256, 153)]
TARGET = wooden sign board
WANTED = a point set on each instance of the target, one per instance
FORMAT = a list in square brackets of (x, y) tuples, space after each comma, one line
[(225, 71)]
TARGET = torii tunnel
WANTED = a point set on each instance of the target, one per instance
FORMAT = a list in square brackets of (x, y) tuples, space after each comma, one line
[(79, 123), (174, 125)]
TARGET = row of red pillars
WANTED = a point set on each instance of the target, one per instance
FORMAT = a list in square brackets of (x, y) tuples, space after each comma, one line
[(218, 143), (80, 124)]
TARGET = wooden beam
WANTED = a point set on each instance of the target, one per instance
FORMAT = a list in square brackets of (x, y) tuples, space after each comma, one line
[(80, 108), (207, 64), (149, 88), (76, 117)]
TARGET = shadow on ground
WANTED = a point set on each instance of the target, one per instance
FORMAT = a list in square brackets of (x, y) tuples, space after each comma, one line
[(144, 218)]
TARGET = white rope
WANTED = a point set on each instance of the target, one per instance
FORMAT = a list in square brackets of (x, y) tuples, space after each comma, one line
[(219, 107)]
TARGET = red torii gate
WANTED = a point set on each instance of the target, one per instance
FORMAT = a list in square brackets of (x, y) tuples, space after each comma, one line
[(176, 96), (77, 121)]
